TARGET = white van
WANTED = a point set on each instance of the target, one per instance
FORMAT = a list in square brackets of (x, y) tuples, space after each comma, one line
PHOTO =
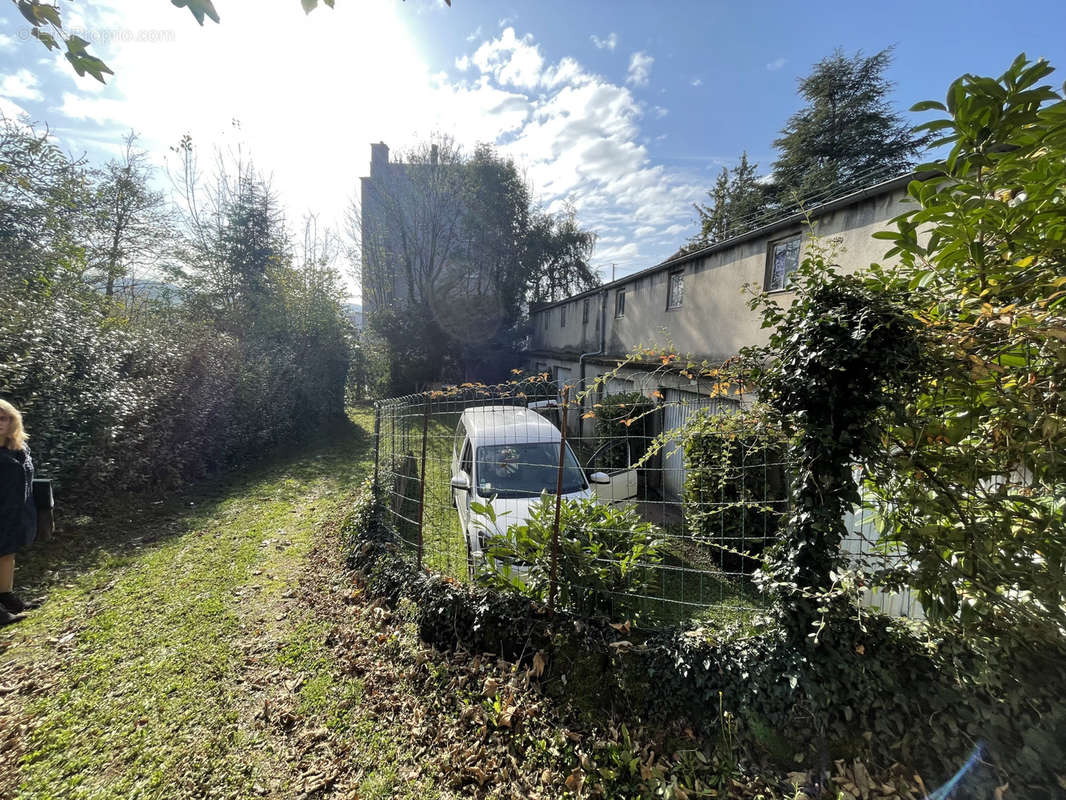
[(509, 455)]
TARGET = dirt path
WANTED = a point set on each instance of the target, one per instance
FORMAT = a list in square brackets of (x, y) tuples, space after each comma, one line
[(181, 649)]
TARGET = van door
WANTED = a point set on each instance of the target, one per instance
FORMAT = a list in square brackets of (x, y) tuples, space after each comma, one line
[(614, 458), (462, 499)]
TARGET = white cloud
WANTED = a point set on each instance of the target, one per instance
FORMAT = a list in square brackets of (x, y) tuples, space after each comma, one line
[(610, 43), (462, 63), (6, 42), (660, 112), (511, 60), (475, 35), (776, 64), (12, 110), (22, 85), (696, 81), (639, 68)]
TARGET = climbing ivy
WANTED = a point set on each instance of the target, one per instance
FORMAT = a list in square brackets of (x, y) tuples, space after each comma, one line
[(839, 362)]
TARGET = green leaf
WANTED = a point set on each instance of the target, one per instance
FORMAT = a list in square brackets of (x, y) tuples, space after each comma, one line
[(45, 38), (29, 11), (928, 105), (198, 8), (49, 14)]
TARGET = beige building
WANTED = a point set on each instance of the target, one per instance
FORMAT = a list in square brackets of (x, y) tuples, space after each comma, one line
[(697, 303), (697, 306)]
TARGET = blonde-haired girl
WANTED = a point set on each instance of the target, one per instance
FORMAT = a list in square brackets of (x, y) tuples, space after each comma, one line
[(18, 515)]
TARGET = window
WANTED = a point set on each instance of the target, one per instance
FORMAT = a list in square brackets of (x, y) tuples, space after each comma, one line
[(620, 303), (547, 319), (585, 311), (782, 262), (562, 316), (676, 290), (526, 469)]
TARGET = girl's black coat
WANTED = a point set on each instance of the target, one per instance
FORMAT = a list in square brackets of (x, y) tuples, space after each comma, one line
[(18, 515)]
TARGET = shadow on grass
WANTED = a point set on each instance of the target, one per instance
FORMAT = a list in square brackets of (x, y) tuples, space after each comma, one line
[(334, 457)]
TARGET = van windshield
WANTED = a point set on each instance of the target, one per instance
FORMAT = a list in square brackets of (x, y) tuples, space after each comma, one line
[(525, 470)]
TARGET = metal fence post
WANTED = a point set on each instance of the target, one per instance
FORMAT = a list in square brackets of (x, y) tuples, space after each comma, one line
[(422, 480), (377, 445), (554, 585)]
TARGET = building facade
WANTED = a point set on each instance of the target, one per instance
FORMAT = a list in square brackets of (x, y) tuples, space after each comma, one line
[(696, 305)]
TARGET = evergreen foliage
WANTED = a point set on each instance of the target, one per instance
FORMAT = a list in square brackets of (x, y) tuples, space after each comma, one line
[(971, 483), (848, 135), (738, 198), (736, 492)]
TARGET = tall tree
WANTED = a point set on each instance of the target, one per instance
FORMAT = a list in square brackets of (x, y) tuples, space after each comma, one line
[(235, 243), (44, 197), (738, 200), (453, 250), (132, 220), (848, 134)]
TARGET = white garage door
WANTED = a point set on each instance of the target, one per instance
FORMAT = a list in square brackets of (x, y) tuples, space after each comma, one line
[(678, 408)]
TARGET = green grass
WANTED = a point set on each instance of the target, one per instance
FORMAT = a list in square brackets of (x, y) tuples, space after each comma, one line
[(156, 614), (444, 549)]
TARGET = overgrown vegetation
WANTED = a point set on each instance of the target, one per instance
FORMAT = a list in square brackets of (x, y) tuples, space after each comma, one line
[(971, 481), (147, 347), (603, 556), (736, 491), (941, 377)]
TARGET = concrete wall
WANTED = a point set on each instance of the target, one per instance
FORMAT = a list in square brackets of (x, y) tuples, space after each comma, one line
[(714, 321)]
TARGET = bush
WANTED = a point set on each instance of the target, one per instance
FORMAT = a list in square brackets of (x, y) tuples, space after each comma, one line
[(876, 690), (112, 405), (603, 555)]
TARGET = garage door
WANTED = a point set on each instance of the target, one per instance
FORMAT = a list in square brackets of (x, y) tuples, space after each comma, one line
[(678, 408)]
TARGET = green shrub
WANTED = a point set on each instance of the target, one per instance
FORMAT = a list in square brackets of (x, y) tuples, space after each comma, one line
[(604, 552)]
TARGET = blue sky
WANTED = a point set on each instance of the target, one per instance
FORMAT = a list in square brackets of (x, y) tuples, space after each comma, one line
[(626, 110)]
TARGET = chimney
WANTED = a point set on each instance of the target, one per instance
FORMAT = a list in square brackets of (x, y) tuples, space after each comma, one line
[(379, 158), (434, 154)]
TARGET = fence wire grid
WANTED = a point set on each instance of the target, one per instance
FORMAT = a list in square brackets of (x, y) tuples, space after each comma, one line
[(441, 456)]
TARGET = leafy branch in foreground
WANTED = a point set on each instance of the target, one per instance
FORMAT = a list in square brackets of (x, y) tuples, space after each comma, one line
[(46, 26), (972, 483)]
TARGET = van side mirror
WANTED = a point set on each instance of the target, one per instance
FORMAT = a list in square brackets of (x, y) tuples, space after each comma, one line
[(461, 482), (597, 477)]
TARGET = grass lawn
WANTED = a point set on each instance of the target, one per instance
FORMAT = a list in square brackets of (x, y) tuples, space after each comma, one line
[(171, 633)]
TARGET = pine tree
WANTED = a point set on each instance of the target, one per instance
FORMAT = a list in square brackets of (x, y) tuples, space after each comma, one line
[(848, 135), (738, 200)]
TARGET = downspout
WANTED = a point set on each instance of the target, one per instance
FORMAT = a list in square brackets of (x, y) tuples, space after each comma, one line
[(603, 344)]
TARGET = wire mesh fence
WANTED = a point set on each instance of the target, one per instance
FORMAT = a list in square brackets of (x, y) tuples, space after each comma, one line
[(473, 479)]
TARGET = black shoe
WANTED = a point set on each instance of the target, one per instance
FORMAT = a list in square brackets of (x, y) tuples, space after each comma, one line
[(12, 602), (6, 617)]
